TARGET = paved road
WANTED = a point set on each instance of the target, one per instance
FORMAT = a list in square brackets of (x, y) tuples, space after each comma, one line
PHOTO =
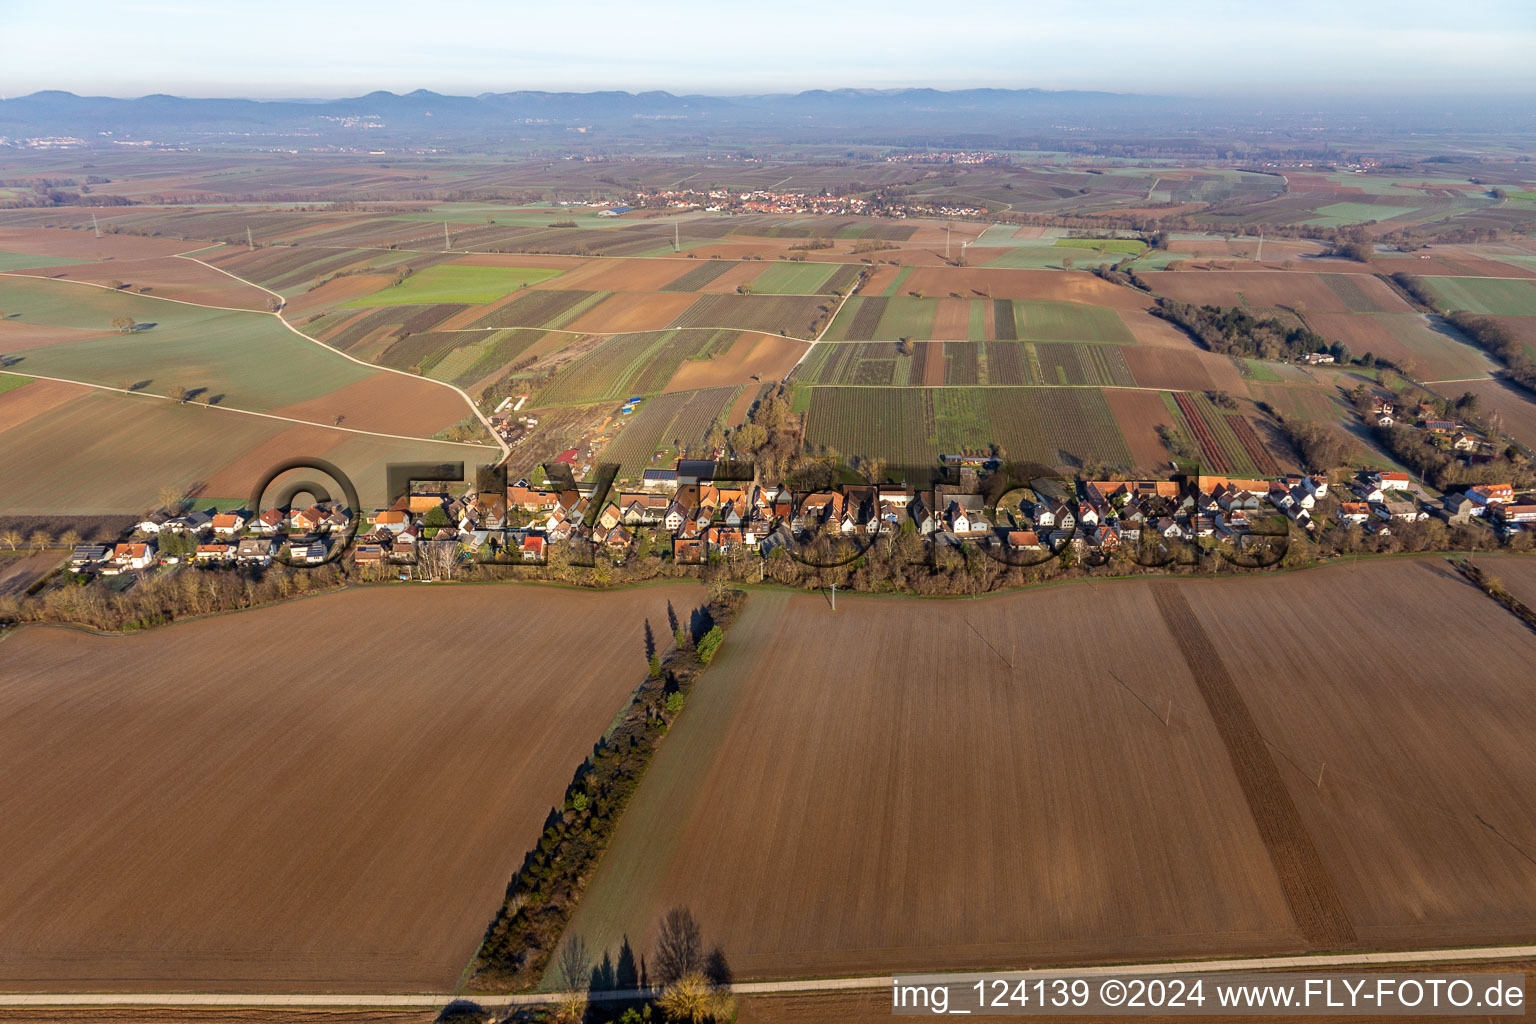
[(1417, 956)]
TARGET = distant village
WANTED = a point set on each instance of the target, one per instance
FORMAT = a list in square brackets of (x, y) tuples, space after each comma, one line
[(719, 200), (683, 513)]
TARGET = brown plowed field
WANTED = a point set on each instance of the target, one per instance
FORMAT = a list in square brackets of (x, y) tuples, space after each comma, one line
[(1063, 285), (1139, 413), (625, 275), (1517, 574), (237, 478), (1403, 337), (1219, 248), (21, 404), (18, 571), (164, 278), (633, 311), (952, 320), (873, 1006), (738, 274), (389, 403), (319, 796), (84, 245), (761, 355), (1261, 288), (1154, 330), (879, 280), (1423, 819), (1187, 369), (903, 799), (333, 293), (514, 259), (912, 801), (1309, 891), (1442, 266)]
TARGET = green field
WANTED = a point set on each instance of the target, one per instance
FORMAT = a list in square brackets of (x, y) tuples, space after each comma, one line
[(26, 261), (10, 382), (793, 278), (37, 300), (912, 427), (1495, 295), (1041, 254), (455, 283), (1045, 320), (1340, 214), (1116, 245), (248, 358)]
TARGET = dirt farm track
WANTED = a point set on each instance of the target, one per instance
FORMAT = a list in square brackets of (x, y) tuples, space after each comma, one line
[(328, 794)]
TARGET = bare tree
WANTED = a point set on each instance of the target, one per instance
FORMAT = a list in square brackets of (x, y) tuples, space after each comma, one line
[(575, 964), (11, 539), (123, 323), (40, 540), (70, 539), (436, 559), (679, 946)]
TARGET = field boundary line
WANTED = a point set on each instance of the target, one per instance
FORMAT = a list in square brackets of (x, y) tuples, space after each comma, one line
[(841, 984), (244, 412), (506, 449), (1299, 870), (137, 295)]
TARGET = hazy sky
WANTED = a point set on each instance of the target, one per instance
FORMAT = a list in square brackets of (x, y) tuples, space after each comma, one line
[(316, 48)]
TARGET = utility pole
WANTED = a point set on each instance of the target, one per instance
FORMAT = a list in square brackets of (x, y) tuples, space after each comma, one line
[(1320, 771), (446, 243), (834, 597), (248, 240), (1259, 256), (946, 241), (95, 226), (676, 238)]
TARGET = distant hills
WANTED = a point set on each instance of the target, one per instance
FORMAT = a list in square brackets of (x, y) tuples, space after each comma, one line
[(851, 115)]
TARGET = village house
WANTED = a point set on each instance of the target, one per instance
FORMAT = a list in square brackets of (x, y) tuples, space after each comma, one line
[(255, 551), (528, 499), (132, 556), (214, 553), (193, 523), (393, 520), (369, 554), (533, 548), (1400, 511), (229, 524), (659, 479), (1390, 481), (152, 522), (1354, 512), (86, 555), (1023, 540), (1486, 496), (1513, 513), (268, 523), (310, 552), (1457, 509)]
